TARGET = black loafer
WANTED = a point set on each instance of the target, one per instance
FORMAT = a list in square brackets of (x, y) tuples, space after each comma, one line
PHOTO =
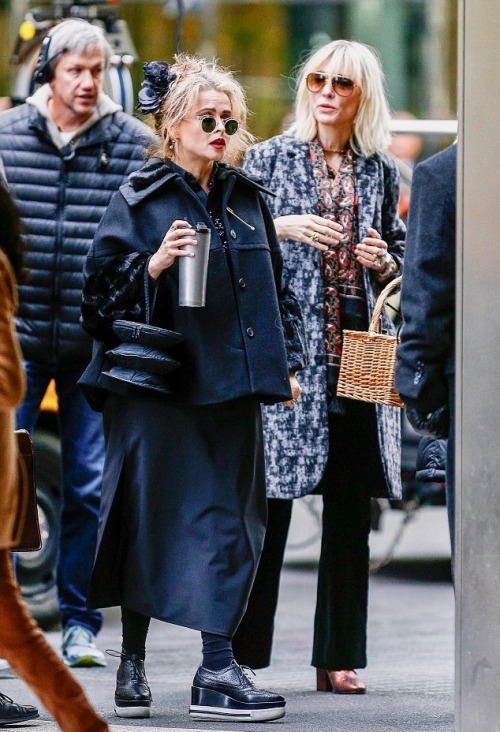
[(230, 694), (132, 693), (12, 713)]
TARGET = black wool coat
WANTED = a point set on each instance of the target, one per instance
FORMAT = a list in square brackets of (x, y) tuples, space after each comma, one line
[(249, 335), (425, 355), (183, 506)]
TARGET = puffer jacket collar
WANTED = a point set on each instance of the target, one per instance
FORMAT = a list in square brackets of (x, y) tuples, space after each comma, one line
[(157, 173), (40, 100), (98, 134)]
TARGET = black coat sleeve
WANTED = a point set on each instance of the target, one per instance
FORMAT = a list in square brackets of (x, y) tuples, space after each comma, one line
[(116, 280), (428, 291)]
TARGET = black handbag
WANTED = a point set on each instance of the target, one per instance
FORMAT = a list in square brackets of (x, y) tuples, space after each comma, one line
[(145, 334), (27, 527), (142, 359)]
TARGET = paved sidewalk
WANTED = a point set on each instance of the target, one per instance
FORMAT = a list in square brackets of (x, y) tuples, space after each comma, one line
[(409, 676)]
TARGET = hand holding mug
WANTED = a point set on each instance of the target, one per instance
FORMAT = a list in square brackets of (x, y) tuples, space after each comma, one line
[(177, 236)]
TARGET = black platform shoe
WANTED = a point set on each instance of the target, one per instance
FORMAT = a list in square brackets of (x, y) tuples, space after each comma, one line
[(230, 695), (132, 693), (12, 713)]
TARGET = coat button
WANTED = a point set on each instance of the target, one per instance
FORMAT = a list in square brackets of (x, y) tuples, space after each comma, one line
[(242, 283), (250, 332), (233, 234)]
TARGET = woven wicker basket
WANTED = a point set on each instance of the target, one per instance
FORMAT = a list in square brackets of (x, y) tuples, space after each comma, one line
[(369, 360)]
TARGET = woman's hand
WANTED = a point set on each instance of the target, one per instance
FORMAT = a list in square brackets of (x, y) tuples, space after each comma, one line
[(309, 229), (179, 234), (371, 251), (296, 390)]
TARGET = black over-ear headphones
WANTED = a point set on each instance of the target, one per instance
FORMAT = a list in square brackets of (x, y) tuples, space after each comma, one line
[(44, 72)]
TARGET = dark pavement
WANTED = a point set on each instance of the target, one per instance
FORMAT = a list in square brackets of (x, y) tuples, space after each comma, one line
[(409, 674)]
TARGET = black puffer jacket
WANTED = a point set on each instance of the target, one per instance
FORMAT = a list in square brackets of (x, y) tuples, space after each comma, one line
[(62, 195)]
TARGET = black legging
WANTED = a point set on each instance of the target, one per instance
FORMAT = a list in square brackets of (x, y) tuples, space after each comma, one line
[(217, 649), (135, 628)]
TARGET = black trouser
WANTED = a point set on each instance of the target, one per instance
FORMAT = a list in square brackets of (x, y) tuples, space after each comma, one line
[(253, 640), (353, 474)]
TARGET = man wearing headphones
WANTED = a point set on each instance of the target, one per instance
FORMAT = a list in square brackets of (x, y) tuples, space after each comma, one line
[(65, 152)]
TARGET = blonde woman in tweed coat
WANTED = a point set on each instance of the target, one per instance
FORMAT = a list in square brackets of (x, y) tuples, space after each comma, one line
[(335, 212)]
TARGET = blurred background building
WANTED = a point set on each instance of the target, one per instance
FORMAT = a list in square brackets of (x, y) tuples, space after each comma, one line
[(265, 40)]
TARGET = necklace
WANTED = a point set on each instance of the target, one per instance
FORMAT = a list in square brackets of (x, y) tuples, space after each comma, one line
[(331, 172), (338, 150)]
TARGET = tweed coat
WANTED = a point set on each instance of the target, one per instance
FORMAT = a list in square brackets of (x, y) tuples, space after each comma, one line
[(297, 439), (11, 393)]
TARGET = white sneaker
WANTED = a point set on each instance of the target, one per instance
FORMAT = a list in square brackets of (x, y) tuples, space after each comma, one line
[(79, 649), (6, 672)]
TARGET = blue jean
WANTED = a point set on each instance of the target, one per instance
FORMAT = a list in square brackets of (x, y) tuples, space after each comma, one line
[(82, 448)]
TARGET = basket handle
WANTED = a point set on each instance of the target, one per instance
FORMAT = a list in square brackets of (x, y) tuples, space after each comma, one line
[(377, 310)]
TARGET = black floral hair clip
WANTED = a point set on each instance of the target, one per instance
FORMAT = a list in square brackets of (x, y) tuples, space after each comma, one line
[(158, 79)]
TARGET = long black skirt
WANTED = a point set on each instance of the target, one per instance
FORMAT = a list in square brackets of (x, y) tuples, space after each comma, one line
[(183, 511)]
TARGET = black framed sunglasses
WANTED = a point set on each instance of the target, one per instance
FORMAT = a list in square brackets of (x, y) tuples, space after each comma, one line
[(209, 123), (341, 85)]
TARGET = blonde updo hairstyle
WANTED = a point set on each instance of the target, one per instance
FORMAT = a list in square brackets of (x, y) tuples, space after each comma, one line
[(193, 76), (370, 132)]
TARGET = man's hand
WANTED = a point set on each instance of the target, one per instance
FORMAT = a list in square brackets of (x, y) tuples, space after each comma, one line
[(436, 423)]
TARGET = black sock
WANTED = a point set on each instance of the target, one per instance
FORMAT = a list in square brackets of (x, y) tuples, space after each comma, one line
[(135, 631), (217, 651)]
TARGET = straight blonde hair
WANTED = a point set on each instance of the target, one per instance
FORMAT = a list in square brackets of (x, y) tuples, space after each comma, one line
[(370, 132)]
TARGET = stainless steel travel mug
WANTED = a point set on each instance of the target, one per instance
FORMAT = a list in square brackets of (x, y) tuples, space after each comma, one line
[(193, 270)]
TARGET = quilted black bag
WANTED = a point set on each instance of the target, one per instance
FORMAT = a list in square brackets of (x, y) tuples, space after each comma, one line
[(143, 357)]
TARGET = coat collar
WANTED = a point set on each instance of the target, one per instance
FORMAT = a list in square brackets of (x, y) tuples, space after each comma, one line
[(157, 173)]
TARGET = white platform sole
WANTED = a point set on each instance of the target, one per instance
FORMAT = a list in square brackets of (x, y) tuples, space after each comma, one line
[(133, 712), (222, 714)]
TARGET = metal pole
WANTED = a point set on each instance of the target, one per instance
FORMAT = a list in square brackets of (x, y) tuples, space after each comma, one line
[(477, 707), (179, 26)]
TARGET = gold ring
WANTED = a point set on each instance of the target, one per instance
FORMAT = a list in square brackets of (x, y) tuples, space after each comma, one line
[(315, 236), (294, 402)]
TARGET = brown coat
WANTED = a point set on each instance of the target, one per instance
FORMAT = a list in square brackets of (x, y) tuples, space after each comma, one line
[(11, 393)]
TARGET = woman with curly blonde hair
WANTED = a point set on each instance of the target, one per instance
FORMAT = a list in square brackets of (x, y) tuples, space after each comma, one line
[(183, 498)]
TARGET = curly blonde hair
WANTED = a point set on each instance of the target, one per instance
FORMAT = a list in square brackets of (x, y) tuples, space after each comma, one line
[(194, 75)]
